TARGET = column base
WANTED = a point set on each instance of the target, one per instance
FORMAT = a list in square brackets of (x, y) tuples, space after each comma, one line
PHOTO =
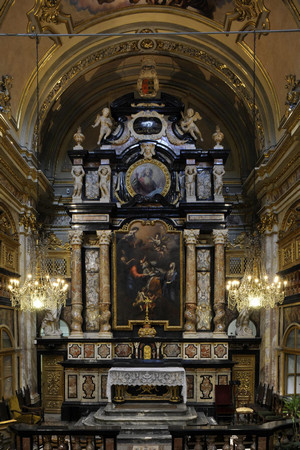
[(220, 334), (105, 334), (76, 334), (190, 334)]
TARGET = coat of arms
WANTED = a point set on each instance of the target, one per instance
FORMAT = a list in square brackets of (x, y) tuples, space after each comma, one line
[(147, 83)]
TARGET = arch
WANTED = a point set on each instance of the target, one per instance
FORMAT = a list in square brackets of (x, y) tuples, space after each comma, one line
[(7, 223), (7, 362), (72, 68)]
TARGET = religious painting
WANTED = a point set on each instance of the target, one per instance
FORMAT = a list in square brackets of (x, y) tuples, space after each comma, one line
[(148, 178), (147, 271)]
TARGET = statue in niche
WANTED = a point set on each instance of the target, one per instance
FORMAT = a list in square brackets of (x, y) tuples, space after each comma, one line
[(50, 322), (78, 174), (188, 125), (104, 173), (218, 137), (242, 324), (190, 176), (78, 138), (147, 150), (105, 124), (218, 172)]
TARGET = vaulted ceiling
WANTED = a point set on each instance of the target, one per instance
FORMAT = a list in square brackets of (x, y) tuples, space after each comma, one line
[(217, 74)]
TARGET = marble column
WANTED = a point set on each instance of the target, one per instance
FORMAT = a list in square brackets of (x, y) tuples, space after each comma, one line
[(105, 302), (219, 237), (76, 237), (269, 317), (190, 238)]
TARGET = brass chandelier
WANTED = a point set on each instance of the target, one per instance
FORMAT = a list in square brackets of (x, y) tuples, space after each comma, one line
[(255, 290), (39, 290)]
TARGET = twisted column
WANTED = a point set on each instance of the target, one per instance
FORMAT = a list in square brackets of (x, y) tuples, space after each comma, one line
[(104, 237), (76, 237), (190, 238), (219, 237)]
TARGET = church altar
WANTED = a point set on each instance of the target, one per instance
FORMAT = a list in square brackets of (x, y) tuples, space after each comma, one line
[(146, 376)]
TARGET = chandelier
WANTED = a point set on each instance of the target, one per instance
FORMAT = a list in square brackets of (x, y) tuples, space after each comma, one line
[(40, 290), (255, 290)]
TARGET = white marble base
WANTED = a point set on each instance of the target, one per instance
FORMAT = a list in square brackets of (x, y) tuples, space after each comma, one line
[(105, 334)]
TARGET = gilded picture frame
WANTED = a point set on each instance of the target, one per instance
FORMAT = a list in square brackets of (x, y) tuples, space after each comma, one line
[(148, 178), (148, 262)]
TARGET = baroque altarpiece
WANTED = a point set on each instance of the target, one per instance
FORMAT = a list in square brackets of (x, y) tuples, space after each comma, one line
[(147, 239)]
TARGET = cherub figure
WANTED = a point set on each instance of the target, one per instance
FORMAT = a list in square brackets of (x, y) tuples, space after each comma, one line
[(147, 149), (78, 174), (188, 125), (105, 124), (104, 173)]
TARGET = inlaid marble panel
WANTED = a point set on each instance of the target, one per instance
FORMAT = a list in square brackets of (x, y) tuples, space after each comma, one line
[(220, 351), (203, 260), (205, 351), (191, 384), (203, 185), (204, 314), (171, 350), (72, 388), (75, 351), (206, 387), (191, 351), (92, 289), (103, 351), (89, 351), (91, 185), (89, 386), (123, 350)]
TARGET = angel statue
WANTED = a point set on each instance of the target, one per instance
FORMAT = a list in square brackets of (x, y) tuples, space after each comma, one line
[(105, 124), (188, 125)]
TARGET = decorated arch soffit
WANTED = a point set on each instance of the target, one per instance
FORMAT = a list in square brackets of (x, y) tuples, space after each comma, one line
[(67, 62)]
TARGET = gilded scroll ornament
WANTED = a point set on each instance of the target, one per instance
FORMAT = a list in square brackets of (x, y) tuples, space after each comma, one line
[(293, 95), (267, 222), (45, 16), (5, 97), (29, 221), (252, 13)]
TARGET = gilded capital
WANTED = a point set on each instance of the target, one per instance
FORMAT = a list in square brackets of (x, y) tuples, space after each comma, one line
[(76, 237), (104, 237), (220, 236), (191, 236)]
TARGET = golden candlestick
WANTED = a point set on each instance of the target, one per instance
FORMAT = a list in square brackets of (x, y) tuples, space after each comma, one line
[(146, 330)]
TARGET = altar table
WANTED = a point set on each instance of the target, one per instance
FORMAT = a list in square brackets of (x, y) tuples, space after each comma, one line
[(146, 376)]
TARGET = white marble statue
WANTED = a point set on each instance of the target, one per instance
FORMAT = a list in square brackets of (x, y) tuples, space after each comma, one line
[(105, 124), (242, 324), (218, 172), (104, 173), (78, 138), (218, 137), (190, 185), (188, 125), (78, 174), (50, 322)]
